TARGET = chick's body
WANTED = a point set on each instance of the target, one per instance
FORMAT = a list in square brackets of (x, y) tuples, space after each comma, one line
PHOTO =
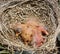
[(31, 31), (27, 35)]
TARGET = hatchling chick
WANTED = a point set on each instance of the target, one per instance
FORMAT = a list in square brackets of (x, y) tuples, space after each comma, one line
[(27, 35), (30, 31), (38, 38), (25, 32)]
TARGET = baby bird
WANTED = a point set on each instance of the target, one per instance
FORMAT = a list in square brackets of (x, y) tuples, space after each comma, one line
[(27, 35), (30, 31), (25, 32), (38, 38)]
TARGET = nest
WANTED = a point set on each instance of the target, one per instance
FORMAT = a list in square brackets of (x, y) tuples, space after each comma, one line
[(18, 11)]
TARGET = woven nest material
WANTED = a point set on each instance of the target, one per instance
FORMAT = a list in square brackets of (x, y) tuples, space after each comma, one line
[(18, 11)]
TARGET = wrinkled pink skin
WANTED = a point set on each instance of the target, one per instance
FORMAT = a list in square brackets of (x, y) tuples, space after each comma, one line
[(37, 37)]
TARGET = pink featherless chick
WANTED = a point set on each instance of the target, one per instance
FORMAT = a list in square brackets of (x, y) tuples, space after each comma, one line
[(38, 38)]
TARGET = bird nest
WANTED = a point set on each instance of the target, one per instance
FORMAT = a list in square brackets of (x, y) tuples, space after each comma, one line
[(18, 11)]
